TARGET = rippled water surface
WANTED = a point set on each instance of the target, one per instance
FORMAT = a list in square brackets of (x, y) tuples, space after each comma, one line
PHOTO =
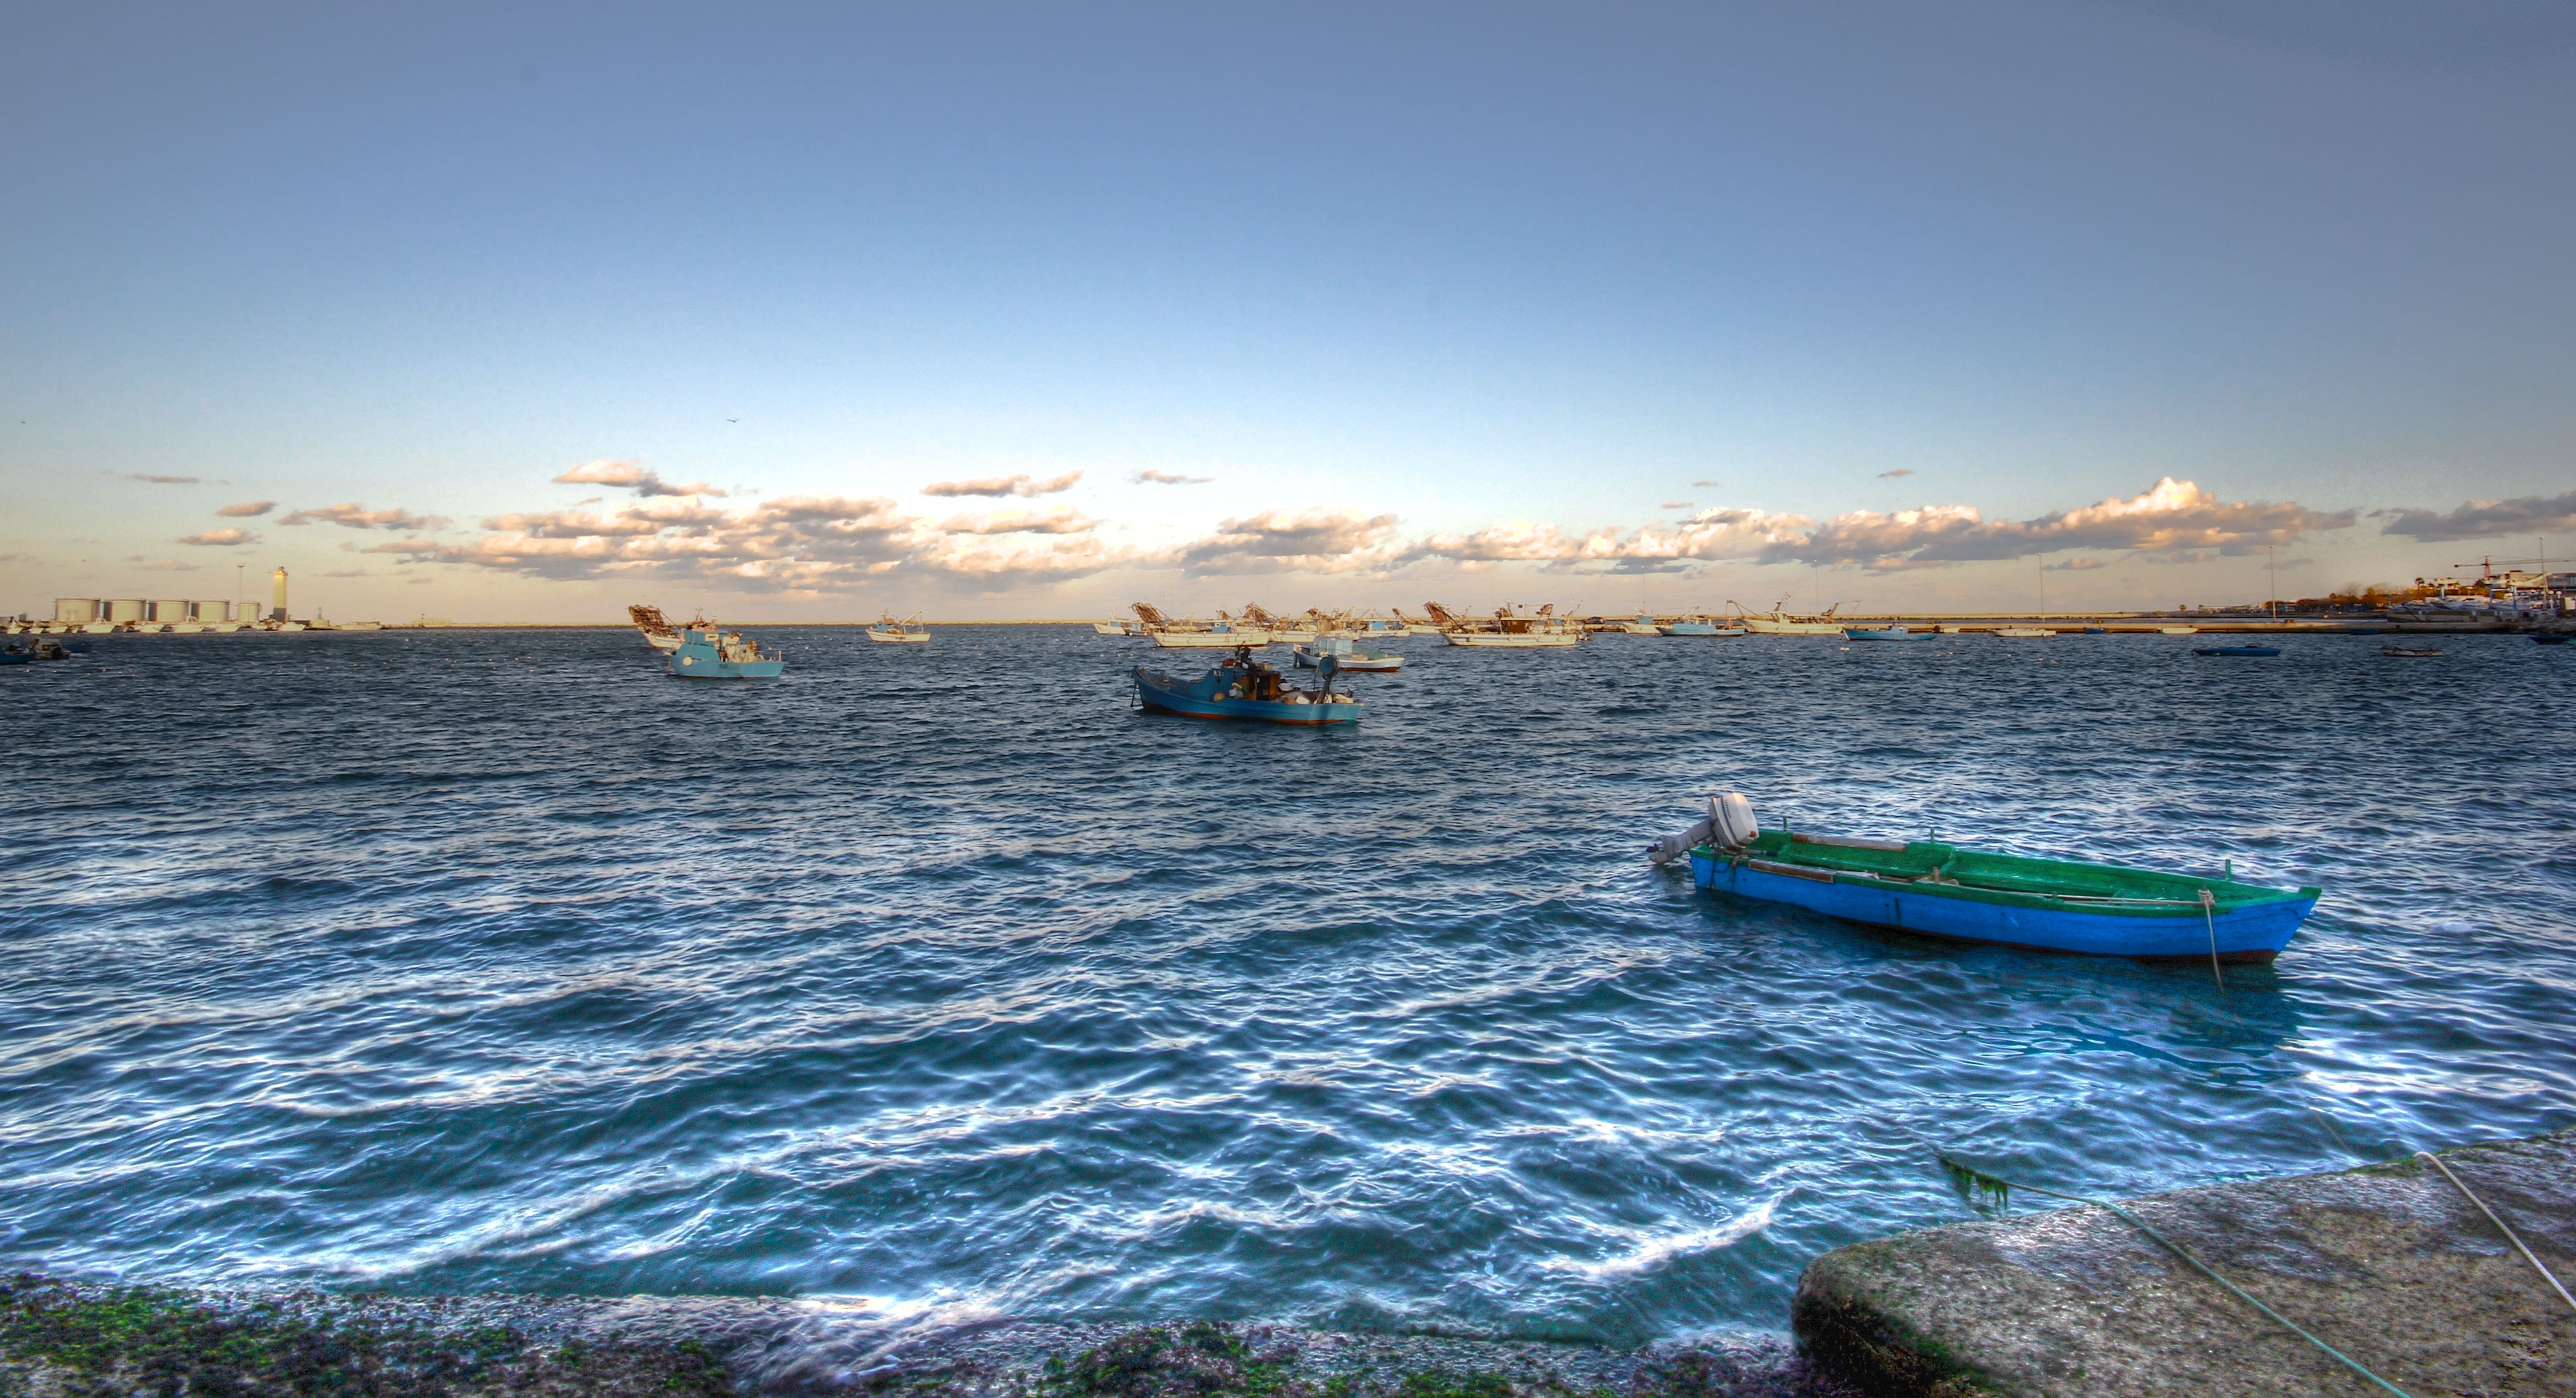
[(939, 977)]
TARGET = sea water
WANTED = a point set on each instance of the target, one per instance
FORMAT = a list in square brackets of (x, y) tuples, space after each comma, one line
[(942, 980)]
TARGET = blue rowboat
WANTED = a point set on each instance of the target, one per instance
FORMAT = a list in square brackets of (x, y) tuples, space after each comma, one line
[(706, 654), (1886, 633), (1244, 688), (2236, 650), (1940, 890)]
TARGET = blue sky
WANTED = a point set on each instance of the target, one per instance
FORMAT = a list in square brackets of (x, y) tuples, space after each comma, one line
[(1454, 301)]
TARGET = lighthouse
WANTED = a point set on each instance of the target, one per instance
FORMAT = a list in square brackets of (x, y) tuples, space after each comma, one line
[(277, 594)]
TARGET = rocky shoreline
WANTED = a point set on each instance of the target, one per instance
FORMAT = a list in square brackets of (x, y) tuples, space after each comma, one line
[(72, 1339)]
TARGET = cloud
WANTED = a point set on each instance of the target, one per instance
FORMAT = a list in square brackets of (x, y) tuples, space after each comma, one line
[(1301, 541), (2485, 519), (627, 475), (349, 573), (1021, 522), (172, 565), (1021, 485), (2170, 516), (1676, 505), (1899, 473), (160, 480), (1708, 485), (222, 538), (1166, 478), (2073, 565), (797, 543), (250, 509), (356, 516)]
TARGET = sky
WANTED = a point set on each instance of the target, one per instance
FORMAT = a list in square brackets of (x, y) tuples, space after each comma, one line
[(790, 312)]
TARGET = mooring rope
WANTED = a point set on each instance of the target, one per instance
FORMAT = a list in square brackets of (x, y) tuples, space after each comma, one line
[(2509, 1235), (2209, 918), (2176, 1249)]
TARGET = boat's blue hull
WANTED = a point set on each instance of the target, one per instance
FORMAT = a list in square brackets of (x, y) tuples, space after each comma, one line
[(1172, 699), (2255, 933), (1856, 633)]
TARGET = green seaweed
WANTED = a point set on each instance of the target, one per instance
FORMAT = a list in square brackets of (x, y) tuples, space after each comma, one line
[(1977, 1189), (149, 1342)]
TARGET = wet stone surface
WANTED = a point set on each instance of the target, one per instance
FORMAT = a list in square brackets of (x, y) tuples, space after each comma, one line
[(2389, 1264)]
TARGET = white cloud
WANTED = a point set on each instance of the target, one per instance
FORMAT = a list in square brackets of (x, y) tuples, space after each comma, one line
[(356, 516), (1166, 478), (1022, 485), (2486, 519), (221, 538), (250, 509), (172, 565), (1300, 541), (1058, 521), (160, 480), (627, 475)]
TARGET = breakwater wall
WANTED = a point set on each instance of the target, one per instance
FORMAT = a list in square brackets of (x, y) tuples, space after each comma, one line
[(2391, 1264)]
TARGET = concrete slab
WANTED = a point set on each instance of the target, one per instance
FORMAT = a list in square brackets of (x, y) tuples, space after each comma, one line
[(2387, 1263)]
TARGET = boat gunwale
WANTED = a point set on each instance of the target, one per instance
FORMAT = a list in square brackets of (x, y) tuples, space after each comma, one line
[(1842, 860)]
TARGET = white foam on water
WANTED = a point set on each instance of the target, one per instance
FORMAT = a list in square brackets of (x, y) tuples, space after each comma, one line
[(1655, 1251)]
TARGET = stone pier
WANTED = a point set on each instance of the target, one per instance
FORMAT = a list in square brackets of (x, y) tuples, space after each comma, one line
[(2389, 1264)]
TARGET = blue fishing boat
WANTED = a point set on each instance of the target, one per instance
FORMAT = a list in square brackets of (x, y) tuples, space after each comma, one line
[(11, 655), (1940, 890), (2549, 639), (1244, 688), (2236, 650), (1886, 633), (707, 654)]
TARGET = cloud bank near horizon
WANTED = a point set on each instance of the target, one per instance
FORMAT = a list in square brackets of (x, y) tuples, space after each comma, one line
[(829, 543)]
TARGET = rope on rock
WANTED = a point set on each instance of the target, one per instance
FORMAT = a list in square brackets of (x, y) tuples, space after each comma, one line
[(2176, 1249), (2509, 1235)]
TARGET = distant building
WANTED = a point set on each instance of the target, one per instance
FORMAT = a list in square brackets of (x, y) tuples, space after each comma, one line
[(277, 594)]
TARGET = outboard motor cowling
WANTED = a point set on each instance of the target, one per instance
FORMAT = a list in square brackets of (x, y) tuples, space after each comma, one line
[(1731, 821)]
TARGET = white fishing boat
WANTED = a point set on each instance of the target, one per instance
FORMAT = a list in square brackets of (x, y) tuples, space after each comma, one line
[(1509, 628), (889, 631), (1642, 625), (1191, 634), (2024, 633), (1781, 623), (1110, 628), (2177, 630), (1282, 629)]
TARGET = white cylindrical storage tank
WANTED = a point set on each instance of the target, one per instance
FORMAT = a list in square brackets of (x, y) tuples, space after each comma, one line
[(211, 611), (76, 611), (167, 610), (124, 609)]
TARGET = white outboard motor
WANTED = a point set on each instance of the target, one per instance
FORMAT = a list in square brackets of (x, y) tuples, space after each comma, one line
[(1731, 821), (1728, 824)]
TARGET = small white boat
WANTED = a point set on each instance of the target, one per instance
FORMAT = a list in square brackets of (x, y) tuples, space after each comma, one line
[(2177, 630), (2024, 633), (890, 631), (1109, 628), (1347, 656)]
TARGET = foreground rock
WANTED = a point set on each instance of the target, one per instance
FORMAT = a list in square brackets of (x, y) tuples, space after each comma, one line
[(63, 1339), (2388, 1264)]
